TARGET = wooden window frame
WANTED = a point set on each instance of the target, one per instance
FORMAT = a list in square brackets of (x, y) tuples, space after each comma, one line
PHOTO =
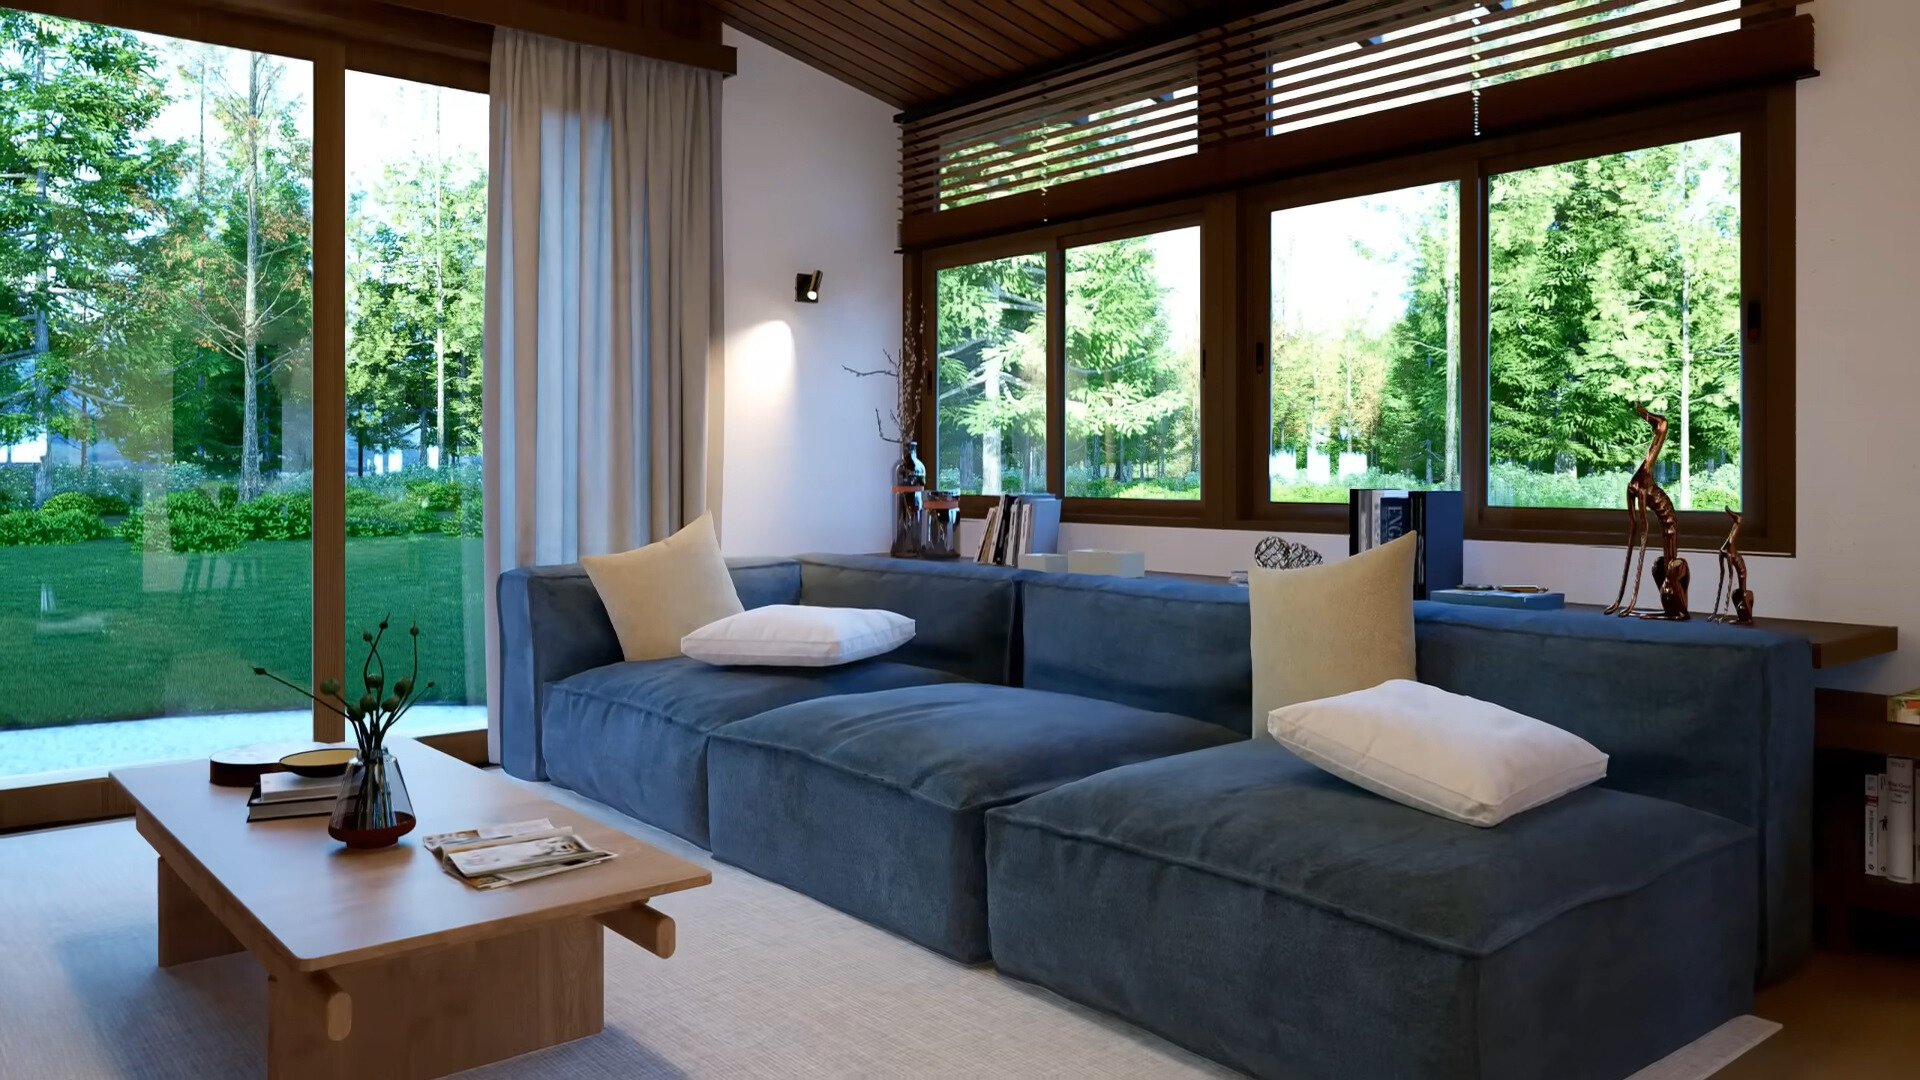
[(1214, 218), (1234, 291)]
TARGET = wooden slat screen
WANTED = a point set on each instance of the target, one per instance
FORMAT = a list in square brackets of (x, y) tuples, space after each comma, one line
[(1293, 66)]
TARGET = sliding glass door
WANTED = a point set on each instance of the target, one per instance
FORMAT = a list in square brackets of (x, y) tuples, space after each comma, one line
[(416, 160), (156, 394), (158, 413)]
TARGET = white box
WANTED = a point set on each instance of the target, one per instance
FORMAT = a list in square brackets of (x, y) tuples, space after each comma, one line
[(1110, 563), (1040, 560)]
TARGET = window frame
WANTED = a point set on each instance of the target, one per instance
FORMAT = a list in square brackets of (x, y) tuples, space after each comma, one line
[(1235, 234), (1209, 215)]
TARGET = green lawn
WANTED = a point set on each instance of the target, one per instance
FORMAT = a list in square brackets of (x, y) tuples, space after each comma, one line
[(105, 631)]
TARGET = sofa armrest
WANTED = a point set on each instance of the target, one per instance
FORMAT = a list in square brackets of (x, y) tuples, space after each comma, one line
[(552, 625), (1716, 717)]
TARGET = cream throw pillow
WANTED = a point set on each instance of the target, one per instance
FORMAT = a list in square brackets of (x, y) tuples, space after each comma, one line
[(660, 593), (1325, 630)]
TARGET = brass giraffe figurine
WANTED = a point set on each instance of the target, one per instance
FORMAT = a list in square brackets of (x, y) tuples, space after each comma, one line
[(1738, 597), (1670, 574)]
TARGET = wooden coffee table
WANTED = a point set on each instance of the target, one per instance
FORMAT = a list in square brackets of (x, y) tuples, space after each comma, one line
[(379, 964)]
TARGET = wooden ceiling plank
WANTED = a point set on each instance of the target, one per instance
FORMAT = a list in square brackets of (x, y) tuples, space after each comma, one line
[(905, 41), (1048, 37), (976, 60), (935, 25), (860, 77), (1099, 22), (822, 46)]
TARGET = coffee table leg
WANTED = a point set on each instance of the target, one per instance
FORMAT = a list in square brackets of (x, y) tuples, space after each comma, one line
[(437, 1012), (188, 931)]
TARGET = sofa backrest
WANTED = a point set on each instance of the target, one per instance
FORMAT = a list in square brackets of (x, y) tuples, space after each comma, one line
[(964, 614), (1719, 718), (552, 625), (1153, 643)]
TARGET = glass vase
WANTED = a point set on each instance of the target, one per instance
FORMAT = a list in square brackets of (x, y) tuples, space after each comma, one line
[(943, 526), (909, 491), (373, 810)]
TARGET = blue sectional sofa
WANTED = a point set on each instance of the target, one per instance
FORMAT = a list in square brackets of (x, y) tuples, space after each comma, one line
[(1055, 774)]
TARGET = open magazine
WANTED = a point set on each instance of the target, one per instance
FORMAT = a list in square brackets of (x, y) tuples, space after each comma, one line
[(498, 855)]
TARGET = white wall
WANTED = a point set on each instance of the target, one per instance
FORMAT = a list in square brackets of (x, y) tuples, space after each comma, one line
[(1858, 370), (809, 170)]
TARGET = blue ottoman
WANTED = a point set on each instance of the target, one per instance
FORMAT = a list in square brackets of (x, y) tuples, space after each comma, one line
[(633, 735), (1256, 910), (873, 803)]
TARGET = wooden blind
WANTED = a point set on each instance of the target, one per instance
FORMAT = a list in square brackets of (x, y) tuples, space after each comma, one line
[(1293, 66)]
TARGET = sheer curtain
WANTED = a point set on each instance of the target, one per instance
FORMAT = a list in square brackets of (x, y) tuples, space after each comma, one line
[(603, 306)]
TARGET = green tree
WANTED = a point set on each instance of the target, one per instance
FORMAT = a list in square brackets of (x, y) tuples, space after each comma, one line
[(990, 358), (257, 306), (417, 259), (1615, 281), (1123, 380), (82, 214)]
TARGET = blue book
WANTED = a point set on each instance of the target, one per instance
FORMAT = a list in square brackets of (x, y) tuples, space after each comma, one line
[(1539, 601)]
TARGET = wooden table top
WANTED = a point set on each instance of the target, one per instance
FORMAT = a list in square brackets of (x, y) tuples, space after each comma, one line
[(322, 905)]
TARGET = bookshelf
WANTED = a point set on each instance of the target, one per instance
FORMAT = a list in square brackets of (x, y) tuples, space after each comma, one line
[(1852, 738)]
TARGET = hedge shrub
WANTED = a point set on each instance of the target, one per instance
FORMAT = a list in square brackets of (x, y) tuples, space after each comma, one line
[(56, 526)]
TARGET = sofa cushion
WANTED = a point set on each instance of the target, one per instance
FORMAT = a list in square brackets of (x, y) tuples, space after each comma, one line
[(1153, 643), (664, 591), (633, 735), (963, 613), (1585, 938), (873, 803)]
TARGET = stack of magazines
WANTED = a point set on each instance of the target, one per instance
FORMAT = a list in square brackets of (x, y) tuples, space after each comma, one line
[(498, 855)]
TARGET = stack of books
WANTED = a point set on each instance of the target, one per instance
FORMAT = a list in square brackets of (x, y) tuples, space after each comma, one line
[(1891, 836), (1020, 524), (279, 795), (500, 855)]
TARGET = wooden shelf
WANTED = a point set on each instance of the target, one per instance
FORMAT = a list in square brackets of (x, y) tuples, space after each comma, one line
[(1834, 644), (1857, 722)]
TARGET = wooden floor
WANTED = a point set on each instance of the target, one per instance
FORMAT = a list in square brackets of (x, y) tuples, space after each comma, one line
[(1848, 1016)]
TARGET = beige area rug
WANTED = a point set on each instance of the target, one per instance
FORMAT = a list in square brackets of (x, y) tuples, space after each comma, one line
[(766, 983)]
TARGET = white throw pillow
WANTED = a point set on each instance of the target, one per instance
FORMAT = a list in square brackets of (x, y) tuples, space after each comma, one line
[(1458, 757), (792, 635)]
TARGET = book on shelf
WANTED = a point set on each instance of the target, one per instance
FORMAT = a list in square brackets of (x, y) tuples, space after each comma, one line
[(1876, 822), (1017, 525), (1899, 808), (1377, 516), (498, 855), (987, 535)]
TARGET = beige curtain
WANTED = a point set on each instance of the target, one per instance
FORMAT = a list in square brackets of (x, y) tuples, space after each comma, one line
[(603, 321)]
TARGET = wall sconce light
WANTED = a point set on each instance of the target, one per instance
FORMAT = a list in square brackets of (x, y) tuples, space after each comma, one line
[(806, 288)]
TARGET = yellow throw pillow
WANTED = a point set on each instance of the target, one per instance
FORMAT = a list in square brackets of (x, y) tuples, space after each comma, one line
[(1320, 631), (660, 593)]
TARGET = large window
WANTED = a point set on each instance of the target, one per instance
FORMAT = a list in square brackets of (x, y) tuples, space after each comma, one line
[(1133, 367), (1615, 281), (416, 258), (990, 359), (1485, 319), (1363, 343), (156, 394), (161, 455)]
